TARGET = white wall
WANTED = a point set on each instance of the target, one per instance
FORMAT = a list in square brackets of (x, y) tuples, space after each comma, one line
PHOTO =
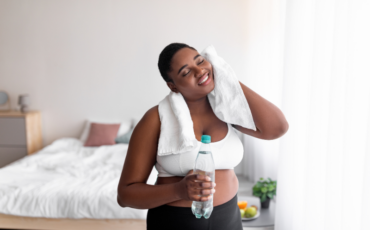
[(98, 59)]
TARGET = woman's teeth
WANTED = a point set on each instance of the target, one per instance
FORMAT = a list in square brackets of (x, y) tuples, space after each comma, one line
[(205, 79)]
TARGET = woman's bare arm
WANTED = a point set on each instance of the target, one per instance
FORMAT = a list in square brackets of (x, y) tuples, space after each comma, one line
[(269, 120), (141, 156)]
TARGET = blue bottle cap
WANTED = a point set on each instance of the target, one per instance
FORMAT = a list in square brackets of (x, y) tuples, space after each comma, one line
[(206, 139)]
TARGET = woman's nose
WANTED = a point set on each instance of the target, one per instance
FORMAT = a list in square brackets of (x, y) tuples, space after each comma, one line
[(198, 72)]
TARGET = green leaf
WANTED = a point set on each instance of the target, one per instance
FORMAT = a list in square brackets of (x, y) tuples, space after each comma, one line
[(270, 194), (264, 189), (270, 179), (263, 197), (258, 194), (271, 188), (261, 178), (256, 189)]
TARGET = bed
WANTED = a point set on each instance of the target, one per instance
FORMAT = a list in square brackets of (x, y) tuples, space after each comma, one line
[(67, 186)]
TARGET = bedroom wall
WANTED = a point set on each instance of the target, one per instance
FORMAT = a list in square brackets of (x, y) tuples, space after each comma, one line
[(98, 59)]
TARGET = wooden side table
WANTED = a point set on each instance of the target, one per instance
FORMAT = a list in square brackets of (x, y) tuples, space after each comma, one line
[(20, 135)]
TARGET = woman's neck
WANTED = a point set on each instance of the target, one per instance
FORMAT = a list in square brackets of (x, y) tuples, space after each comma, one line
[(199, 107)]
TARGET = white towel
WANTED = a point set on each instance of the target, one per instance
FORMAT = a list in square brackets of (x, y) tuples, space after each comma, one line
[(227, 100)]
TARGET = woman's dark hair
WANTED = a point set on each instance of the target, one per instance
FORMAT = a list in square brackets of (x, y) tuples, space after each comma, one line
[(165, 57)]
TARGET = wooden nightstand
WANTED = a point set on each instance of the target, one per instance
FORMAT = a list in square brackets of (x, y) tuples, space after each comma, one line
[(20, 134)]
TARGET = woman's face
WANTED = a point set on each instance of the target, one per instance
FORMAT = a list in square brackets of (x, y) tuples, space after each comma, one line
[(189, 70)]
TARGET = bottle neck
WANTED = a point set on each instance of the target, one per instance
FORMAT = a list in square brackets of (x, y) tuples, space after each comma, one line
[(205, 147)]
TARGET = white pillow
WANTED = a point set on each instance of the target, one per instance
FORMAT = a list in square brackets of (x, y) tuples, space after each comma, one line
[(124, 127)]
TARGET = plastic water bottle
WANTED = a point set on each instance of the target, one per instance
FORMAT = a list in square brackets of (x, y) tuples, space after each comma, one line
[(204, 165)]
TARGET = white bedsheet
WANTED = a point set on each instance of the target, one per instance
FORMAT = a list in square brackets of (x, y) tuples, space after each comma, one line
[(67, 180)]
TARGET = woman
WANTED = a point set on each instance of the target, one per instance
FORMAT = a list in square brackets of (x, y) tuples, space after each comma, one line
[(169, 200)]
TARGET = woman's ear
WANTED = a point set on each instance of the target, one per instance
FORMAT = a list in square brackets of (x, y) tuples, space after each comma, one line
[(172, 87)]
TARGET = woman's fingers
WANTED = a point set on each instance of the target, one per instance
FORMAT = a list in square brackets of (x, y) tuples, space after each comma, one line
[(190, 172), (203, 191), (205, 198), (201, 198), (200, 187), (203, 177), (201, 194), (204, 185), (198, 177)]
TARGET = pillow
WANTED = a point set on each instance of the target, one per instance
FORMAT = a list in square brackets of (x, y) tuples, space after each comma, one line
[(124, 127), (102, 134), (125, 138)]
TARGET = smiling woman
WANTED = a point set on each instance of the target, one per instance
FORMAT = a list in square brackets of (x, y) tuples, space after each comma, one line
[(169, 200), (186, 72)]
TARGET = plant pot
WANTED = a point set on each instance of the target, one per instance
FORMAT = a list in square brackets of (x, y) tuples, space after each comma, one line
[(266, 203)]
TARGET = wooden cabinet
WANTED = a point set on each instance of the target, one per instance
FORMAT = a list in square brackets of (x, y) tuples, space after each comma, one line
[(20, 134)]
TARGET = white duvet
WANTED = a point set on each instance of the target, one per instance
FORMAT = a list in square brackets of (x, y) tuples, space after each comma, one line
[(67, 180)]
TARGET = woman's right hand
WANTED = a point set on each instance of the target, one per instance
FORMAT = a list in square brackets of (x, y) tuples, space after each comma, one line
[(195, 187)]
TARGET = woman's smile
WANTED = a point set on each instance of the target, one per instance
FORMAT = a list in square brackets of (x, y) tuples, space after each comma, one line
[(204, 80)]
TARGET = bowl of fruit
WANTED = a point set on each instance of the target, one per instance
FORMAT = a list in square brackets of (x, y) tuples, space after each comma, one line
[(248, 213)]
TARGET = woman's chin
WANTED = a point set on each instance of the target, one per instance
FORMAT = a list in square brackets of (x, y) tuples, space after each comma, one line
[(210, 87), (207, 91)]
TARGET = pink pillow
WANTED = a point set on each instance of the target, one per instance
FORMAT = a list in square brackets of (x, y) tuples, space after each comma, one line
[(102, 134)]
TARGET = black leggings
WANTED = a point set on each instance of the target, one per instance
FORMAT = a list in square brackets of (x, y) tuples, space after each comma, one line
[(225, 216)]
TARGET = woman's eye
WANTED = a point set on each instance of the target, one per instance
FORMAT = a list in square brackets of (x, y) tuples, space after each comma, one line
[(198, 64)]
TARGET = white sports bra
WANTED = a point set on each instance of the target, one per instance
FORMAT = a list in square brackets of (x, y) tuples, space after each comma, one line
[(227, 153)]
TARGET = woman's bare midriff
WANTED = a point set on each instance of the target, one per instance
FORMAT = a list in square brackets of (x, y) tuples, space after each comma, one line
[(227, 186)]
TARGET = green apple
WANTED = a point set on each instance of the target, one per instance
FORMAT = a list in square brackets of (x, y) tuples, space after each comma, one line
[(250, 212), (242, 212)]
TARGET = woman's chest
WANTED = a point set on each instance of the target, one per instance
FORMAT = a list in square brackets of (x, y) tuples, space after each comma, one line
[(227, 153), (215, 128)]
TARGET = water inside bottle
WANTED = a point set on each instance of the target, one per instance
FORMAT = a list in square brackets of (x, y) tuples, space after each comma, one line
[(203, 208)]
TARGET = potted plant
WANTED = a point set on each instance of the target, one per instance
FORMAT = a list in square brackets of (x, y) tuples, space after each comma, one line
[(265, 190)]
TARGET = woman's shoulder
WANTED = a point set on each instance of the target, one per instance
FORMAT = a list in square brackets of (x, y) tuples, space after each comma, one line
[(148, 129), (151, 119), (152, 115)]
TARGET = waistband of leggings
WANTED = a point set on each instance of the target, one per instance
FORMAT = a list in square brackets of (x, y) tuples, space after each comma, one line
[(229, 204)]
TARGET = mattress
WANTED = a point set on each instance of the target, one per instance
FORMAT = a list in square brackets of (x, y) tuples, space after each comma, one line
[(67, 180)]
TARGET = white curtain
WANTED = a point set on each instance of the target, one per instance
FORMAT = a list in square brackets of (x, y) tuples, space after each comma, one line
[(320, 78), (264, 67)]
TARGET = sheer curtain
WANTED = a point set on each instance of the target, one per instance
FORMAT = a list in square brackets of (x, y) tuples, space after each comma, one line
[(265, 22), (320, 78)]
